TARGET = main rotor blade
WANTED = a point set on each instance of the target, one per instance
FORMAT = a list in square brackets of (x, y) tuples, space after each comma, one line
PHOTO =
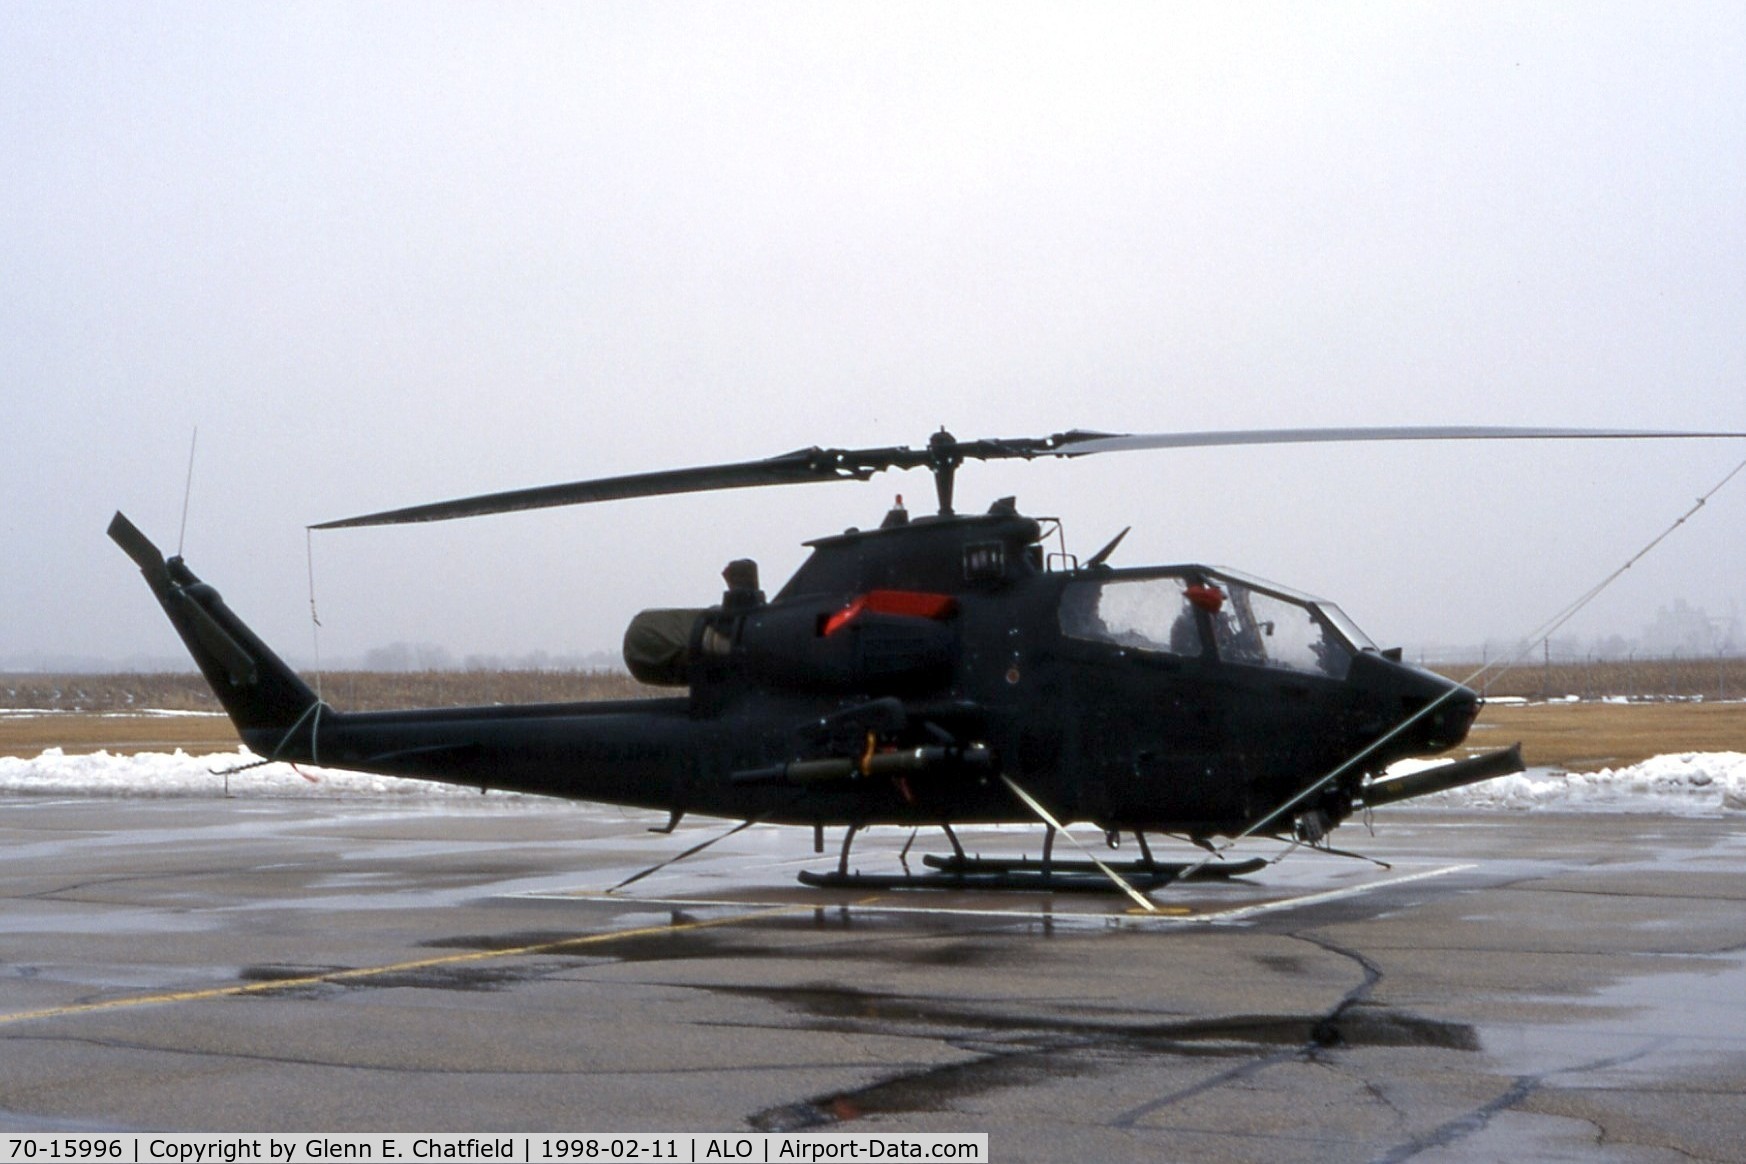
[(798, 467), (943, 454), (1074, 444)]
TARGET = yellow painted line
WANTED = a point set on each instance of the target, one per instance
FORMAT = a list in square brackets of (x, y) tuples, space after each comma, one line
[(887, 903), (342, 976), (1244, 912)]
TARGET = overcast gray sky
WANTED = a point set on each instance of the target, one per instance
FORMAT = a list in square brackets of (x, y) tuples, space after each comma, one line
[(393, 253)]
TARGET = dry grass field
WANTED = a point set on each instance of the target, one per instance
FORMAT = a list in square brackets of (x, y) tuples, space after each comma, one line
[(87, 713), (346, 690), (1712, 678), (1586, 737), (76, 732)]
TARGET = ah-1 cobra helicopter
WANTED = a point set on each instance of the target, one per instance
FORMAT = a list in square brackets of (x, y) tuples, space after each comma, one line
[(934, 671)]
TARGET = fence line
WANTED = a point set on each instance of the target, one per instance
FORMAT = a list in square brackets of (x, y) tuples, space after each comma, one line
[(1720, 678)]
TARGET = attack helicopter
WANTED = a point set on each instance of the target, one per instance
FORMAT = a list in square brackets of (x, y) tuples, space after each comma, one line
[(932, 671)]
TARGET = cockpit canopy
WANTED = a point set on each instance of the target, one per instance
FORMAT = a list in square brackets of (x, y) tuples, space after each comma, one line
[(1196, 612)]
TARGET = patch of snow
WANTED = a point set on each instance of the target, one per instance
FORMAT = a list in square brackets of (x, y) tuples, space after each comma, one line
[(1683, 784), (157, 774)]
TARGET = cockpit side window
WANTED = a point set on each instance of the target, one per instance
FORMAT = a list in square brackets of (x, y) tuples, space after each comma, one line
[(1264, 630), (1146, 614)]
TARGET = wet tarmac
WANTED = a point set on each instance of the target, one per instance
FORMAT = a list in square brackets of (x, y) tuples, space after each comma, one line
[(1524, 986)]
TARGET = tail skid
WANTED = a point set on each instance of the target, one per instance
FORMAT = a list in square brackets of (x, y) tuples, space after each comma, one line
[(263, 696)]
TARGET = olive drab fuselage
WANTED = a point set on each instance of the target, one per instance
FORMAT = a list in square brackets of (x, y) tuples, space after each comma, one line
[(896, 678)]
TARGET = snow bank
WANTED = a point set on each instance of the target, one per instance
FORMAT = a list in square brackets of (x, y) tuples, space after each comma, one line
[(1692, 783), (1689, 783), (155, 774)]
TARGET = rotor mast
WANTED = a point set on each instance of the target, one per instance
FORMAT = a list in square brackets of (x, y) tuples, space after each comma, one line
[(944, 459)]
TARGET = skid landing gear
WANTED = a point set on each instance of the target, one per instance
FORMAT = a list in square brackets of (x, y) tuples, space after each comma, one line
[(1064, 877), (961, 871)]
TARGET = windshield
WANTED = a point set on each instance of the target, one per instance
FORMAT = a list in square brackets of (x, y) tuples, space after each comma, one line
[(1346, 626), (1265, 630)]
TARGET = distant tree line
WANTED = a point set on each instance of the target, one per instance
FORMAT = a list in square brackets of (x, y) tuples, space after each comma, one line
[(1679, 631), (434, 657)]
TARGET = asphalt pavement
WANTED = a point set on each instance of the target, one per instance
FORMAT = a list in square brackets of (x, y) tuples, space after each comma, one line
[(1524, 986)]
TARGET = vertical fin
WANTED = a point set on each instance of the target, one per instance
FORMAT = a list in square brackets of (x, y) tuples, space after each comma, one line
[(257, 688)]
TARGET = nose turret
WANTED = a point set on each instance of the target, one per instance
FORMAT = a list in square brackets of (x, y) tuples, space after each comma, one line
[(1415, 712), (1447, 716)]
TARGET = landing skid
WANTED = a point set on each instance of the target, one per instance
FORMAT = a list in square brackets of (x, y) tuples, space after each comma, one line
[(1213, 871), (957, 872)]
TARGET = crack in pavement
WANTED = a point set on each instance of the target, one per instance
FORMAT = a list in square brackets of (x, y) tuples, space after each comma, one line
[(1047, 1048), (1520, 1088)]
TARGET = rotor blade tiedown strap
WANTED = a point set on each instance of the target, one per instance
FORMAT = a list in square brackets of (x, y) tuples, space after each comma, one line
[(1048, 818), (701, 845)]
